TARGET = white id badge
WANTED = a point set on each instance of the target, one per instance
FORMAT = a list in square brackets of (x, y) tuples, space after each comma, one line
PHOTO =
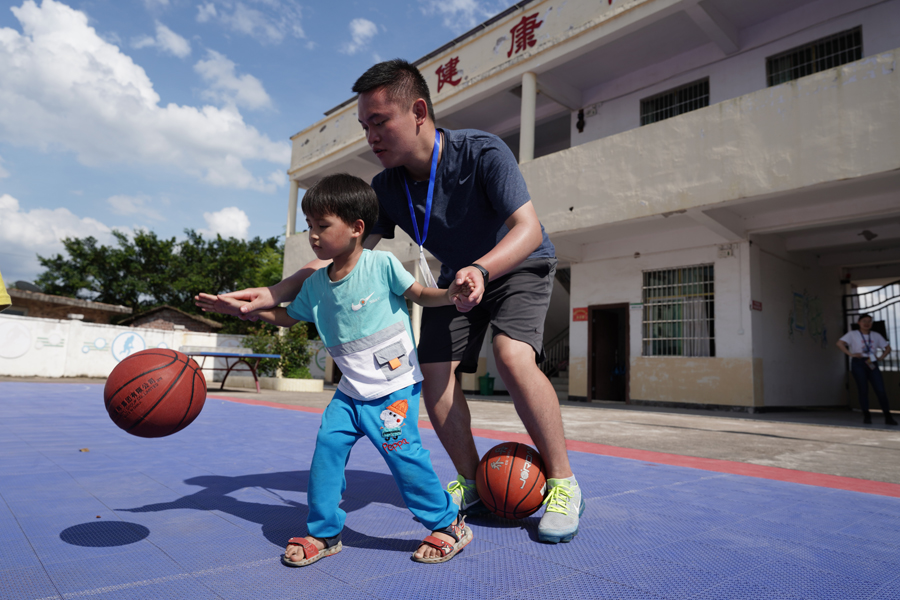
[(426, 270)]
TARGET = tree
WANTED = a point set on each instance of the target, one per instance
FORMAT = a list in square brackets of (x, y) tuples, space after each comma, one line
[(146, 271)]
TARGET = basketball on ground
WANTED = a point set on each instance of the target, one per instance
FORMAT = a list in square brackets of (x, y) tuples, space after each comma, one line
[(511, 480), (155, 393)]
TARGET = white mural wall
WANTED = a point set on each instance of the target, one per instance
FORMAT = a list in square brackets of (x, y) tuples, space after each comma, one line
[(32, 347)]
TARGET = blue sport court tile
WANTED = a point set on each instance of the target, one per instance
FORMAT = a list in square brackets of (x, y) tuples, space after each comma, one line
[(146, 563), (27, 582), (582, 585), (889, 590), (494, 569), (792, 578), (841, 563), (876, 527), (426, 581), (206, 514), (694, 554), (742, 589), (163, 588), (270, 580), (17, 552), (658, 576), (573, 556)]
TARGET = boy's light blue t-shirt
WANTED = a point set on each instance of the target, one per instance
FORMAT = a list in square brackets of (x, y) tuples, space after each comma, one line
[(368, 300)]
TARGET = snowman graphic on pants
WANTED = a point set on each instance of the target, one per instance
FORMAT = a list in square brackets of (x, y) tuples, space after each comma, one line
[(393, 417)]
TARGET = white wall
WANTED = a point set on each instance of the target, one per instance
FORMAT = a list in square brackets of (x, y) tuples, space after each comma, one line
[(617, 102), (32, 347), (796, 331), (618, 279)]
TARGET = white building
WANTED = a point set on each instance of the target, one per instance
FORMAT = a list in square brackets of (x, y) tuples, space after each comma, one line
[(715, 176)]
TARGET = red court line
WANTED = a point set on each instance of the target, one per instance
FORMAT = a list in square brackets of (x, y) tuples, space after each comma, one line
[(676, 460)]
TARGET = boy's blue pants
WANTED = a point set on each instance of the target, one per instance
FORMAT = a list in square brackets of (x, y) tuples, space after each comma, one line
[(343, 423)]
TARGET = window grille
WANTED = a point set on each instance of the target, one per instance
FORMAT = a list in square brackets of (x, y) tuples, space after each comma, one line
[(679, 312), (820, 55), (675, 102)]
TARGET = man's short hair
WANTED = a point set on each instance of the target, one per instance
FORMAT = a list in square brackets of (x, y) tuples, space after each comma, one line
[(345, 196), (863, 316), (402, 80)]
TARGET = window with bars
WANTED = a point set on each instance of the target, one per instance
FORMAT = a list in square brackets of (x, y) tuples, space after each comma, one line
[(675, 102), (820, 55), (679, 312)]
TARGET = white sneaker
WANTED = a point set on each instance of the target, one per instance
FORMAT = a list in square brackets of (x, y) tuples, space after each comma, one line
[(465, 496), (564, 507)]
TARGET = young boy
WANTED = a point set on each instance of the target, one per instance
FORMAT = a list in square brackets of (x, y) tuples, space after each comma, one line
[(359, 308)]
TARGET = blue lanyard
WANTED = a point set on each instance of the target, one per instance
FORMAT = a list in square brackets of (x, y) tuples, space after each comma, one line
[(867, 346), (428, 198)]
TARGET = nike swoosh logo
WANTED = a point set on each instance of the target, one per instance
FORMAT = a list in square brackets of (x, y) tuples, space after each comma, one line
[(362, 302), (464, 179)]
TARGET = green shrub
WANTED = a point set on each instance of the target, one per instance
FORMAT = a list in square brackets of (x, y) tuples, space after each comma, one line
[(292, 344)]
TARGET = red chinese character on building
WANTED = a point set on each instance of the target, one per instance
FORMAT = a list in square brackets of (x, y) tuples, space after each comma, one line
[(523, 34), (447, 72)]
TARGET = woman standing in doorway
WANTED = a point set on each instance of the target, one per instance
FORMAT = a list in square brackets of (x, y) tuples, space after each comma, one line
[(863, 346)]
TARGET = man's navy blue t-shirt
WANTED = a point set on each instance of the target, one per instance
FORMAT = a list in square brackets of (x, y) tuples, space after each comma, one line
[(477, 187)]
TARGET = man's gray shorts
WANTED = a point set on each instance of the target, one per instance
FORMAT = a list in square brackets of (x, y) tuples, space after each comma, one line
[(514, 304)]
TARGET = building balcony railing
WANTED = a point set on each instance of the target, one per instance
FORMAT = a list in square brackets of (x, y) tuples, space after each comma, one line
[(834, 125)]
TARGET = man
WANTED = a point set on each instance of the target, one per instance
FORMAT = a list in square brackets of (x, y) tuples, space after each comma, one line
[(474, 214)]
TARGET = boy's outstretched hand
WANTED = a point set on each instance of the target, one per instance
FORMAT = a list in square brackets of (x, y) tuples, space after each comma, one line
[(224, 305), (251, 299), (459, 291)]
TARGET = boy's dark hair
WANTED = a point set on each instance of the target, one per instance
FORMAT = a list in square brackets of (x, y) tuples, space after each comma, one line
[(345, 196), (401, 79), (863, 316)]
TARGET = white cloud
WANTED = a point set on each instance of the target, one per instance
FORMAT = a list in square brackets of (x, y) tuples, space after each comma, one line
[(226, 87), (228, 222), (462, 15), (166, 41), (24, 235), (270, 23), (361, 33), (63, 87), (206, 12), (131, 205)]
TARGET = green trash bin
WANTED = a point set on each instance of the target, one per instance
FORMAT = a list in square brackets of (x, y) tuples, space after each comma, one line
[(486, 383)]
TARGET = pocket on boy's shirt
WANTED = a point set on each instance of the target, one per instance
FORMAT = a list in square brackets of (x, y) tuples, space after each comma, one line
[(393, 360)]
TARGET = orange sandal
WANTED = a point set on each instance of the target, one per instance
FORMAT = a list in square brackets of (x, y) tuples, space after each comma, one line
[(310, 553), (460, 532)]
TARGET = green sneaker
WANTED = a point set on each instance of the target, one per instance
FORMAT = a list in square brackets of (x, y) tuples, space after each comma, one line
[(564, 507), (465, 496)]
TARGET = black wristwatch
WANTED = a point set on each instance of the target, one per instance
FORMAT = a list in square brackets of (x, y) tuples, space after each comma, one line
[(484, 272)]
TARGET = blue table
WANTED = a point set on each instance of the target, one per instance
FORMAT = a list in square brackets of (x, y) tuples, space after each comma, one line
[(233, 357)]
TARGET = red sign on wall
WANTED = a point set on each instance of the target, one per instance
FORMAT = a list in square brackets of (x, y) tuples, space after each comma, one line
[(580, 314)]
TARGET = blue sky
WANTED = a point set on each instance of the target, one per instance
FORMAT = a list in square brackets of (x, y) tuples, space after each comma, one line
[(175, 114)]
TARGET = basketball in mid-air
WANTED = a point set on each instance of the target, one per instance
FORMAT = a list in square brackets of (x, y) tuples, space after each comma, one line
[(511, 480), (154, 393)]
